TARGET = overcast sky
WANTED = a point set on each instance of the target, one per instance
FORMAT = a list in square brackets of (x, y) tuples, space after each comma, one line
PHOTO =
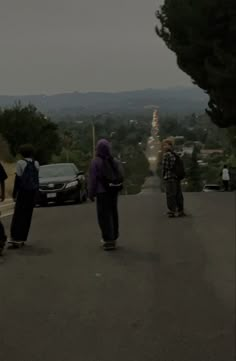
[(52, 46)]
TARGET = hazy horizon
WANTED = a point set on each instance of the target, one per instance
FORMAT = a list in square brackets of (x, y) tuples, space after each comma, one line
[(190, 86), (63, 46)]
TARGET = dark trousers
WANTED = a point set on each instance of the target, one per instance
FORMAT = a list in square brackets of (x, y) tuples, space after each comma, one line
[(107, 213), (22, 216), (2, 236), (174, 195), (226, 185)]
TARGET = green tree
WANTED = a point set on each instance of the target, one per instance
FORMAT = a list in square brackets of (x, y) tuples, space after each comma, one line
[(20, 125), (202, 33), (136, 168), (125, 138), (5, 153), (194, 174)]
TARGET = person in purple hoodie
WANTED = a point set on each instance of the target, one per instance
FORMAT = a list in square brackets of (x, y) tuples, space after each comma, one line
[(105, 182)]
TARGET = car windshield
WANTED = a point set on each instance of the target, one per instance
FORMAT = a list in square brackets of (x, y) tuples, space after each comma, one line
[(57, 170)]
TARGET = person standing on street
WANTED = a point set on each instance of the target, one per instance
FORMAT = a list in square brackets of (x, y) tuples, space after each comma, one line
[(173, 172), (3, 177), (105, 183), (24, 193), (226, 178)]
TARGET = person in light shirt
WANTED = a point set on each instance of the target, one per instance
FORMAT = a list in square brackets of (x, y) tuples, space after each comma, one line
[(226, 178)]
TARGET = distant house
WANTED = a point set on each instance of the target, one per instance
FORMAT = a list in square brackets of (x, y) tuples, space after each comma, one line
[(208, 152), (188, 149), (198, 144), (202, 163), (179, 140)]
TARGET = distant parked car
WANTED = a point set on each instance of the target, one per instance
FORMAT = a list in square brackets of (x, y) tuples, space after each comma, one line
[(212, 188), (60, 183)]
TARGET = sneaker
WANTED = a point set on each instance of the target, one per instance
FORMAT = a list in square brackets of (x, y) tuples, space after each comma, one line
[(181, 214), (109, 246), (16, 244), (102, 242), (171, 214)]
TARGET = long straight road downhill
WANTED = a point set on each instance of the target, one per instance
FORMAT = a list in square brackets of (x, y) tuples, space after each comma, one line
[(167, 294)]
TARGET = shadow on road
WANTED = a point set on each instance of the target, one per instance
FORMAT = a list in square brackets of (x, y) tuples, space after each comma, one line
[(127, 254), (29, 250)]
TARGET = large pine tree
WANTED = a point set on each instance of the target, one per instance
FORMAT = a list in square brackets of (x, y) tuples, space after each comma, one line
[(202, 33)]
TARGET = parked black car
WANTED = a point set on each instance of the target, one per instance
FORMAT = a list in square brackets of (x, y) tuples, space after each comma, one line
[(60, 183)]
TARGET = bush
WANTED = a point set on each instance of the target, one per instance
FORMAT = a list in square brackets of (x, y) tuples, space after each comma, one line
[(5, 153), (26, 125)]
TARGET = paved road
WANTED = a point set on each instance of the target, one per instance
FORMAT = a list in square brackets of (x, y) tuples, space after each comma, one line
[(166, 295)]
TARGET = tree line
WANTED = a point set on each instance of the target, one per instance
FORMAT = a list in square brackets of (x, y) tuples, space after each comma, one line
[(72, 141)]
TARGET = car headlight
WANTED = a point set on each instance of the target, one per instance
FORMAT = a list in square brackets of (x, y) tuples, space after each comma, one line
[(72, 184)]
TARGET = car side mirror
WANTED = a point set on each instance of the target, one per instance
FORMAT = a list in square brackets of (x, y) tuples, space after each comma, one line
[(80, 173)]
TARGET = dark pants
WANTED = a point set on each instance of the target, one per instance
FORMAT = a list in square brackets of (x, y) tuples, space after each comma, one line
[(22, 217), (226, 185), (107, 213), (174, 195), (2, 236)]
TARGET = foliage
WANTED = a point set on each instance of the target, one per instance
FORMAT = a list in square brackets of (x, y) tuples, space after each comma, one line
[(232, 160), (128, 143), (5, 153), (199, 129), (71, 141), (20, 125), (136, 168), (194, 174), (202, 34)]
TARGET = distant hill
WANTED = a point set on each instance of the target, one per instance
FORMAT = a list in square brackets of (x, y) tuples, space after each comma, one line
[(172, 100)]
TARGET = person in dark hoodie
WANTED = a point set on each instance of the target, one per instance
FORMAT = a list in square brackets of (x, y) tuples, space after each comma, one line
[(105, 182), (24, 193)]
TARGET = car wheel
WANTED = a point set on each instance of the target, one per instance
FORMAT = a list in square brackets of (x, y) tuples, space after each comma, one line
[(43, 204)]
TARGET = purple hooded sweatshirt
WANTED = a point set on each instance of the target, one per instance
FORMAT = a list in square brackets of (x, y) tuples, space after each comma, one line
[(103, 151)]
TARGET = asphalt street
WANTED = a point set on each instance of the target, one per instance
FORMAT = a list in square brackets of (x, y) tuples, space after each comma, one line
[(167, 293)]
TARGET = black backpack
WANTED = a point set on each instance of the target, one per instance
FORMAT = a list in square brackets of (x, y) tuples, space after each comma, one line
[(111, 175), (30, 177), (3, 174), (178, 169)]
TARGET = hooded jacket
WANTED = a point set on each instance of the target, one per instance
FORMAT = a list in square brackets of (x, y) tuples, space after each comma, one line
[(103, 151)]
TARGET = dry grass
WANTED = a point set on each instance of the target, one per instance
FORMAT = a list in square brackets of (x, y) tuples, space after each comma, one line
[(10, 170)]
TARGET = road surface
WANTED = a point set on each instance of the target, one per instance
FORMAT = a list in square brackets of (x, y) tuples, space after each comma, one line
[(166, 295)]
